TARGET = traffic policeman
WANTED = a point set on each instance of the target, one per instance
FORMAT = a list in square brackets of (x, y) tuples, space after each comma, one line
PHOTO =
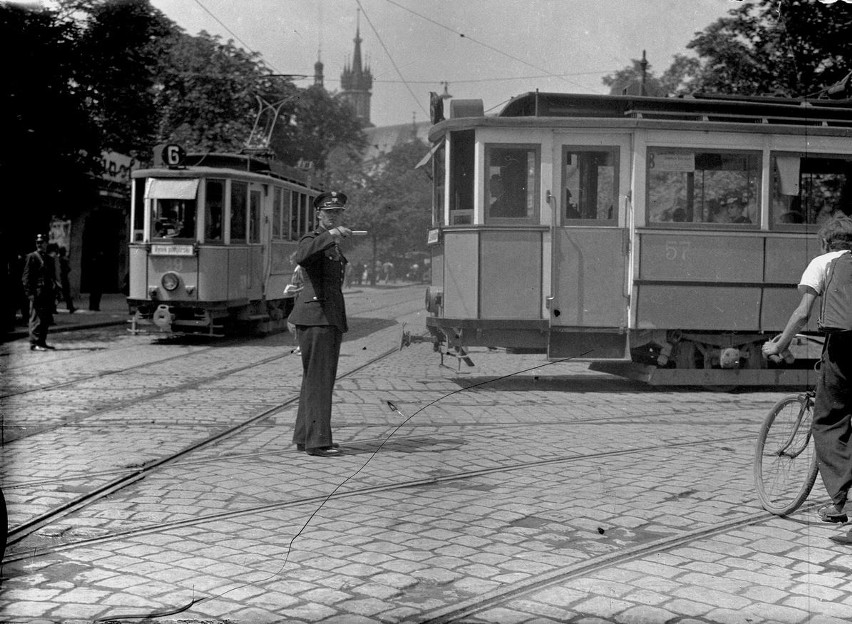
[(319, 315)]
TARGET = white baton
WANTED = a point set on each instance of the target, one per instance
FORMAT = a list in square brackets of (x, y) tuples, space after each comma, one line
[(359, 232)]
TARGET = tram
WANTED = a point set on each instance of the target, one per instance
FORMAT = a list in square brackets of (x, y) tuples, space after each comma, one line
[(661, 239), (212, 237)]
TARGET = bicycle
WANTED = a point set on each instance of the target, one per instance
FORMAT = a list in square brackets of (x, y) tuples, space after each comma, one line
[(785, 464)]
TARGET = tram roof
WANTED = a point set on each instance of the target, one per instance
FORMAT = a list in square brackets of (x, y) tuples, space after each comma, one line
[(696, 107), (213, 163)]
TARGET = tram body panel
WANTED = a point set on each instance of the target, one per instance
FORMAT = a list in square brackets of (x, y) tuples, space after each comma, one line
[(211, 285), (461, 276), (510, 274)]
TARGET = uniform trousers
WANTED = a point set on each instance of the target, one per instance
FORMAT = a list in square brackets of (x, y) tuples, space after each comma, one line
[(832, 426), (41, 318), (320, 346)]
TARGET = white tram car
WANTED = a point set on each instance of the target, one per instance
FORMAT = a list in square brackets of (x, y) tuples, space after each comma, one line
[(212, 237), (660, 238)]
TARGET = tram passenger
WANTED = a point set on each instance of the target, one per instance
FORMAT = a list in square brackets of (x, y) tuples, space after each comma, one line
[(319, 315), (832, 418), (502, 205), (38, 278)]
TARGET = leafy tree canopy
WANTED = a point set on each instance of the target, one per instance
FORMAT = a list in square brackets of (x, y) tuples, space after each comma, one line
[(792, 48)]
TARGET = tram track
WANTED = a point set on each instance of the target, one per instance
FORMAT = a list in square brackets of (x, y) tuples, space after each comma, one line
[(17, 534)]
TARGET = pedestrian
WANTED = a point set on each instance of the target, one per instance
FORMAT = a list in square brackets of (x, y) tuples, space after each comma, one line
[(38, 278), (64, 281), (319, 315), (832, 417)]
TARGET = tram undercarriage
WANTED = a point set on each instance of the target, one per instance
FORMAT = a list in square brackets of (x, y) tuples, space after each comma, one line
[(262, 317), (656, 357)]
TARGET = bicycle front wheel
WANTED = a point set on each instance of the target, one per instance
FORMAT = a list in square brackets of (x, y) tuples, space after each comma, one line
[(785, 465)]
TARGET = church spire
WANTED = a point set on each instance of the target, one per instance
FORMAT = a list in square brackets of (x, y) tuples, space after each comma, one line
[(356, 81)]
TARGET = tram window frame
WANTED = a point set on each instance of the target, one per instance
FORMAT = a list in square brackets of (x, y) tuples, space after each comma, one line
[(138, 210), (214, 210), (513, 173), (439, 184), (238, 212), (173, 219), (588, 209), (819, 181), (461, 178), (725, 192)]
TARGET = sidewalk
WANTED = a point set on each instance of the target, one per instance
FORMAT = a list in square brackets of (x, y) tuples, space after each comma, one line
[(113, 311)]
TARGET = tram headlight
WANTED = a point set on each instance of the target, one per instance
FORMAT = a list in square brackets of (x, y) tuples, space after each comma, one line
[(170, 281)]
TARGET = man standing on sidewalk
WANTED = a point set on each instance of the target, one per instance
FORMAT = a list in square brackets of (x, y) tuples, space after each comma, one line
[(39, 277), (319, 315)]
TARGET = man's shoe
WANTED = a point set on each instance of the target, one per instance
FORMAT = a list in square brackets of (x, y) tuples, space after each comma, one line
[(38, 348), (329, 452), (829, 513)]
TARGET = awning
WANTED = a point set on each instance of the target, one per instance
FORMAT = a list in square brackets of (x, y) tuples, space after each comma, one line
[(428, 156), (158, 188)]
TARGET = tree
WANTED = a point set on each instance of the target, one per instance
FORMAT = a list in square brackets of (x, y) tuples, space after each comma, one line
[(389, 198), (207, 95), (121, 45), (322, 124), (794, 48)]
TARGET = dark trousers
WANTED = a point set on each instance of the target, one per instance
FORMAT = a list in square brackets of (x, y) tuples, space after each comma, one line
[(320, 347), (832, 426), (41, 318)]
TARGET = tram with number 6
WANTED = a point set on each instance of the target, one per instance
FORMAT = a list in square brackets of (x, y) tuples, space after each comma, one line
[(660, 238), (212, 237)]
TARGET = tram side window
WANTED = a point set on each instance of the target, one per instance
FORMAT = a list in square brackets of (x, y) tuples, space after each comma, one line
[(214, 208), (809, 190), (438, 167), (239, 198), (294, 216), (254, 217), (277, 211), (511, 184), (703, 186), (590, 184)]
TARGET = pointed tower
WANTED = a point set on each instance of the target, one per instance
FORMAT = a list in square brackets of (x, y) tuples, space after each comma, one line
[(356, 82), (318, 77)]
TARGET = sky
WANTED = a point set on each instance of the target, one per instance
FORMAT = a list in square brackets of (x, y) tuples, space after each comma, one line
[(484, 49)]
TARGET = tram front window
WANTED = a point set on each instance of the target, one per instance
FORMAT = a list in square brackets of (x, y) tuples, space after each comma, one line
[(512, 184), (703, 187), (173, 218)]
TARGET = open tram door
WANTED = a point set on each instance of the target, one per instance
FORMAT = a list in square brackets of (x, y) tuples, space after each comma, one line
[(588, 304)]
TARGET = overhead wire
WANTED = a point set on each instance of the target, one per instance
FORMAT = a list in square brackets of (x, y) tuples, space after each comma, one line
[(481, 43), (390, 57)]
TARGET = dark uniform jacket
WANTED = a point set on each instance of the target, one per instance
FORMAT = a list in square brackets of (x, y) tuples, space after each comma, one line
[(321, 300), (39, 277)]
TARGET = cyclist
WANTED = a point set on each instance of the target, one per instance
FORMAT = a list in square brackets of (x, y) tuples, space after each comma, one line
[(832, 423)]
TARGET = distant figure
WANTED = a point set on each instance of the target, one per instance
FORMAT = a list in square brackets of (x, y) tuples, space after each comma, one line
[(679, 215), (387, 272), (38, 278), (64, 281)]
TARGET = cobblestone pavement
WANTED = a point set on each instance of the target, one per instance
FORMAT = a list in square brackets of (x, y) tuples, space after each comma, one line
[(552, 495)]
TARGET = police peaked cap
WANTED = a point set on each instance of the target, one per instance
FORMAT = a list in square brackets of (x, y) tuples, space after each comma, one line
[(330, 199), (41, 238)]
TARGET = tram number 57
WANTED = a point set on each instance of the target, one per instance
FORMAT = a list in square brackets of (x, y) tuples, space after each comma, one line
[(677, 250)]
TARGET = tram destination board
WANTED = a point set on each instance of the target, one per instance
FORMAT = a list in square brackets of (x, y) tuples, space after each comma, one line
[(172, 250)]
